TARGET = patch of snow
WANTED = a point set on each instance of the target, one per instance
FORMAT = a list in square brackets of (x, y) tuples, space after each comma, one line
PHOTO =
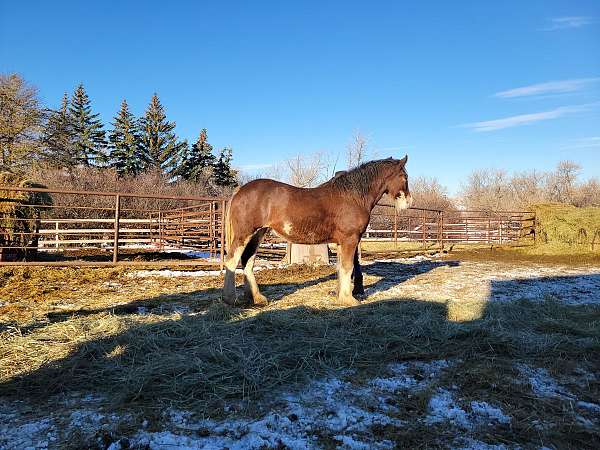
[(489, 413), (443, 408), (332, 406), (176, 273), (473, 444), (196, 273), (590, 406), (403, 380), (29, 435), (542, 384)]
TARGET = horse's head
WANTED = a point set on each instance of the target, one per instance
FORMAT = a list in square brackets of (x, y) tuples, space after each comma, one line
[(397, 187)]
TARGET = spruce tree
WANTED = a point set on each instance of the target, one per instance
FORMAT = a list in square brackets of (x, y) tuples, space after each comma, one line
[(57, 138), (90, 142), (223, 174), (159, 142), (198, 160), (127, 156)]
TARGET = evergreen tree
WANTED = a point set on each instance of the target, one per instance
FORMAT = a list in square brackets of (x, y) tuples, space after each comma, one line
[(57, 138), (126, 153), (90, 142), (223, 174), (159, 142), (198, 160)]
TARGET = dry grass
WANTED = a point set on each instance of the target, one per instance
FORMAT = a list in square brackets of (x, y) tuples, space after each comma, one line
[(94, 339)]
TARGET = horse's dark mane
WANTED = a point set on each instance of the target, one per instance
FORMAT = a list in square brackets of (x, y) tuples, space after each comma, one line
[(358, 180)]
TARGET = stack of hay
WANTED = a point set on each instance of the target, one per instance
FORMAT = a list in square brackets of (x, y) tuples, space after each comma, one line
[(19, 216)]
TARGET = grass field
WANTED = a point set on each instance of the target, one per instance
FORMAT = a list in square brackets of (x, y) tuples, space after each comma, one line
[(443, 354)]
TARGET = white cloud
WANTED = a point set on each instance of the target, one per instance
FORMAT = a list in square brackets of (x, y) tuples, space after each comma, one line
[(561, 23), (583, 143), (525, 119), (550, 87)]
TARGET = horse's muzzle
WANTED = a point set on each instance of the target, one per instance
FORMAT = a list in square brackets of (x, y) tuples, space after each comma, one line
[(404, 201)]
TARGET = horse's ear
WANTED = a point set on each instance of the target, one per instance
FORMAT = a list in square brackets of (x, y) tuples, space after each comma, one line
[(402, 162)]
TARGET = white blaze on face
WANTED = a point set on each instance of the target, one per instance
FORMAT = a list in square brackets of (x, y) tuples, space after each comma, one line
[(403, 201)]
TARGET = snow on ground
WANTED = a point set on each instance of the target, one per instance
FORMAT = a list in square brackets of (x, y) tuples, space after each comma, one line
[(196, 273), (440, 280), (542, 384)]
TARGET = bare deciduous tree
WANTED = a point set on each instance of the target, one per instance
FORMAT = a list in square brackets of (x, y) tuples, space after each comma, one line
[(306, 171), (561, 182), (487, 189), (357, 150), (429, 193)]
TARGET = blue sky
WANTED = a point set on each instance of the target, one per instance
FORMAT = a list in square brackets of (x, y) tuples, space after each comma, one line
[(456, 85)]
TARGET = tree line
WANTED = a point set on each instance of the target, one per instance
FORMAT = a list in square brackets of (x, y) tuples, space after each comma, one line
[(73, 136)]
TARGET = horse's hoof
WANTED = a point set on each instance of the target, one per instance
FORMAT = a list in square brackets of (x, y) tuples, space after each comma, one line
[(348, 301), (260, 300), (229, 300), (360, 296)]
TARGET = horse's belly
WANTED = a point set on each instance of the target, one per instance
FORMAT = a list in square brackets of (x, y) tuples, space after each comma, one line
[(303, 231)]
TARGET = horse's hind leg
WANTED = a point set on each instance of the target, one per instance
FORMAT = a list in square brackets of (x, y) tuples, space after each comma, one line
[(250, 285), (359, 289)]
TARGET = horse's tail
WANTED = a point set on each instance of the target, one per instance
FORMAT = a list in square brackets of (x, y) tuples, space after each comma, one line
[(229, 225)]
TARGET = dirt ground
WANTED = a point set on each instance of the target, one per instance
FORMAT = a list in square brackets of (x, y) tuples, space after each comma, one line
[(474, 353)]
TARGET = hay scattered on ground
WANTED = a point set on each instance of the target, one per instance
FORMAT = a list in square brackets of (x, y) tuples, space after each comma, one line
[(145, 346)]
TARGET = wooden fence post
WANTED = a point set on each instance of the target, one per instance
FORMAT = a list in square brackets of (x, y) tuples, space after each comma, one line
[(56, 227), (160, 230), (395, 229), (117, 219), (423, 226), (442, 230)]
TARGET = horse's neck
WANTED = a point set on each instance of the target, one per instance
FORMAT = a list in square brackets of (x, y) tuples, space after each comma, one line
[(377, 187)]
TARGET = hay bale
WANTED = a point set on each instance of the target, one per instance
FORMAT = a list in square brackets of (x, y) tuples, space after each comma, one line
[(560, 224), (19, 215)]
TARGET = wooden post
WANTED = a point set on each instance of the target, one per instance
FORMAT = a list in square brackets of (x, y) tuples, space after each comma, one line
[(395, 228), (423, 226), (117, 218), (160, 230), (223, 215), (56, 226), (489, 226), (181, 228), (442, 230), (211, 224), (500, 229)]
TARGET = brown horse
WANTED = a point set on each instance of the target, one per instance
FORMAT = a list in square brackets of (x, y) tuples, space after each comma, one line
[(336, 211)]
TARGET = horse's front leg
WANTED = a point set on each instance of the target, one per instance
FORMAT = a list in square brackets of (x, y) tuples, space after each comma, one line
[(347, 250), (233, 258)]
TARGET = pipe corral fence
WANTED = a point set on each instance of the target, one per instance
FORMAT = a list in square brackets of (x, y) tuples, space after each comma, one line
[(92, 228), (110, 228), (447, 227)]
